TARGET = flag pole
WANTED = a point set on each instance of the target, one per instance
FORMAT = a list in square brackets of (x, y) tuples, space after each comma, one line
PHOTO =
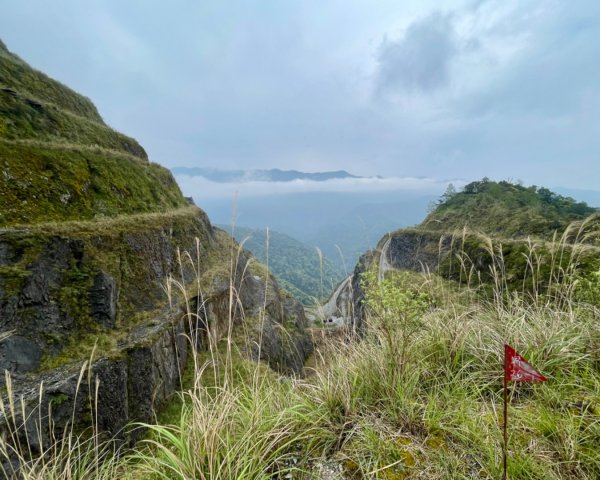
[(516, 369), (505, 449)]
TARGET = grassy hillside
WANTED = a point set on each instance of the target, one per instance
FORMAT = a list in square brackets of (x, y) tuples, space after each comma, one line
[(296, 265), (16, 74), (506, 209), (418, 397), (60, 161)]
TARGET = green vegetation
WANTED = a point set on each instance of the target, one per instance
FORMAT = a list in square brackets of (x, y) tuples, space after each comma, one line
[(67, 178), (505, 209), (417, 396), (35, 107), (127, 247), (533, 267), (397, 306), (40, 184), (15, 73), (425, 407), (298, 268), (60, 161)]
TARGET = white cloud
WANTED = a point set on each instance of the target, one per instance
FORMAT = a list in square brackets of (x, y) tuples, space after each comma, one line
[(199, 187)]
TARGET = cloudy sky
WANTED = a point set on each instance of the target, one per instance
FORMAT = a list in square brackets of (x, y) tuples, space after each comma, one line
[(458, 89)]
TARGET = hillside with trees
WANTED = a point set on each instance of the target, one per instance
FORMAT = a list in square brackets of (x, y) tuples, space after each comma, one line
[(505, 209)]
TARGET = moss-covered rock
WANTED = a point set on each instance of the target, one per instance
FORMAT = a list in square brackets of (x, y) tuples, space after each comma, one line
[(66, 285), (491, 265)]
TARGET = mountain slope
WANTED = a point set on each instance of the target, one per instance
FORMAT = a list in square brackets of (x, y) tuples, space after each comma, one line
[(296, 266), (60, 161), (516, 237), (91, 240), (25, 80)]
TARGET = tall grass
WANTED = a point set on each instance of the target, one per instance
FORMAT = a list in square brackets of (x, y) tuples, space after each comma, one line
[(436, 417), (434, 413), (31, 447)]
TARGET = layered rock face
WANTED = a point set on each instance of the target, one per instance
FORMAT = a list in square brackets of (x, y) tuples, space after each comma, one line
[(59, 290), (279, 334), (142, 345), (90, 231)]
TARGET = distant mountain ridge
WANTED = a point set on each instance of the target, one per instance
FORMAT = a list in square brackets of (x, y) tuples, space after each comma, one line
[(260, 175)]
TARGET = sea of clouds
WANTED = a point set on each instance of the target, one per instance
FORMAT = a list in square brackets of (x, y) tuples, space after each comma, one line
[(196, 185)]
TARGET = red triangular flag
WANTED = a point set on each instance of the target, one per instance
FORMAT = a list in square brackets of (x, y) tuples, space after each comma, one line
[(517, 369)]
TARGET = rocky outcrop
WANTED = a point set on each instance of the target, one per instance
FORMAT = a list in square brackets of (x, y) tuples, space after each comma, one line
[(416, 250), (112, 391), (279, 334), (89, 232), (358, 293), (57, 289), (59, 295), (103, 300), (476, 259)]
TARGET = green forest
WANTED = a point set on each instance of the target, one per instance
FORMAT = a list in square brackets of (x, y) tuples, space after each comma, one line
[(300, 269)]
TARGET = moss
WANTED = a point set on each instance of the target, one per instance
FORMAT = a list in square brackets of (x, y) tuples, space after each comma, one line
[(41, 185), (90, 337), (49, 124), (80, 345), (73, 294), (124, 247), (12, 280), (60, 161), (57, 399), (15, 73)]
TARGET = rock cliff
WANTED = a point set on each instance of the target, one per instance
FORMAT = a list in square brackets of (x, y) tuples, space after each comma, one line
[(90, 233)]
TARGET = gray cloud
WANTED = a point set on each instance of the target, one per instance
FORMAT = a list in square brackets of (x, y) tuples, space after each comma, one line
[(420, 59), (551, 74), (503, 89)]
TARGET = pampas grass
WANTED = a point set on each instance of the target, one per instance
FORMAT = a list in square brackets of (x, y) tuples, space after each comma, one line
[(437, 417)]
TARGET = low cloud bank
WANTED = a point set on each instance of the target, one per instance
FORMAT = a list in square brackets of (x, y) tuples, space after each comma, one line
[(200, 187)]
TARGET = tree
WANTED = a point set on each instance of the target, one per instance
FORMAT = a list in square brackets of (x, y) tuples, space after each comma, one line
[(448, 194), (395, 307)]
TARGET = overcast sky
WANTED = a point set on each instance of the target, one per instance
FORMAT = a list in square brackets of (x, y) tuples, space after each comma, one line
[(461, 89)]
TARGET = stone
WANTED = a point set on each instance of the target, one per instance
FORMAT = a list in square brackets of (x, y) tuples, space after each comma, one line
[(116, 275), (8, 254), (103, 300), (18, 354)]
